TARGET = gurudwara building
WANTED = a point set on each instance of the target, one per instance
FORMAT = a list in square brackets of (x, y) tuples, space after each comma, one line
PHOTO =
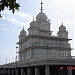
[(41, 53)]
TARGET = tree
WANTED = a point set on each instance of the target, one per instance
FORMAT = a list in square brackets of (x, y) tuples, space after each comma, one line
[(10, 4)]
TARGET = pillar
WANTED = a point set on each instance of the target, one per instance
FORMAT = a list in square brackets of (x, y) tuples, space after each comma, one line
[(69, 70), (47, 71), (16, 71), (22, 71), (37, 71), (29, 71), (0, 71), (3, 71), (12, 71), (8, 71)]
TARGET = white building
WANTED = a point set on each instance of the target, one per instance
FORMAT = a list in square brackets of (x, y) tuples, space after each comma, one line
[(40, 53), (40, 44)]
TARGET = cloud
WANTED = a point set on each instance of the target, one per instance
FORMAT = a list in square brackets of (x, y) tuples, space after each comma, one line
[(13, 20), (18, 19), (7, 30), (24, 15), (60, 4)]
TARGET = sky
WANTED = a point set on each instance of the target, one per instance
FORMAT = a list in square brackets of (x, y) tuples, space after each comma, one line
[(57, 11)]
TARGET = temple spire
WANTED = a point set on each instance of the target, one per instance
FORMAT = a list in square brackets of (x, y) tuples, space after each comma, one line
[(33, 18), (62, 23), (23, 27), (41, 6)]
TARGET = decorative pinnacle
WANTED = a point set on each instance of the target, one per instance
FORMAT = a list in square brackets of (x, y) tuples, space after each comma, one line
[(23, 27), (41, 6), (62, 23), (33, 18)]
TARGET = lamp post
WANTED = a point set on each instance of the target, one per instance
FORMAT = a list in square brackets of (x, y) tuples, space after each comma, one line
[(0, 60), (6, 60), (16, 52), (16, 62)]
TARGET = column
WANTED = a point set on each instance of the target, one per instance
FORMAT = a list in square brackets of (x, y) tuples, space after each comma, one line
[(47, 71), (22, 71), (29, 71), (8, 71), (16, 71), (12, 71), (0, 71), (37, 71), (69, 70), (3, 71)]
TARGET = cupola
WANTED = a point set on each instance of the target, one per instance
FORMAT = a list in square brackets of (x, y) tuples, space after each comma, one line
[(41, 16), (62, 28)]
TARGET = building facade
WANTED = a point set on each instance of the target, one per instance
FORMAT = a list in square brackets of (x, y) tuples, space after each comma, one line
[(41, 53), (39, 43)]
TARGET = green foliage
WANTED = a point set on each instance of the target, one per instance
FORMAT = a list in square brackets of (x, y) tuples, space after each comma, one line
[(10, 4)]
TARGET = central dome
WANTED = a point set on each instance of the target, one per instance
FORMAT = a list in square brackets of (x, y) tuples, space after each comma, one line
[(41, 17)]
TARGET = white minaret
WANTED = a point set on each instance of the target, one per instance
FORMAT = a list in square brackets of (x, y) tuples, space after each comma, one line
[(62, 33), (22, 34), (33, 30), (21, 38)]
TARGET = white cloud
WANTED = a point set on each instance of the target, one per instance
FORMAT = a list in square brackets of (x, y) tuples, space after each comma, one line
[(19, 23), (17, 19), (8, 30), (58, 3), (12, 20), (24, 15)]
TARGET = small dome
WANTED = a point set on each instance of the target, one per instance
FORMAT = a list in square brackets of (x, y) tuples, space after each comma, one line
[(62, 28), (33, 23), (23, 32), (41, 17)]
